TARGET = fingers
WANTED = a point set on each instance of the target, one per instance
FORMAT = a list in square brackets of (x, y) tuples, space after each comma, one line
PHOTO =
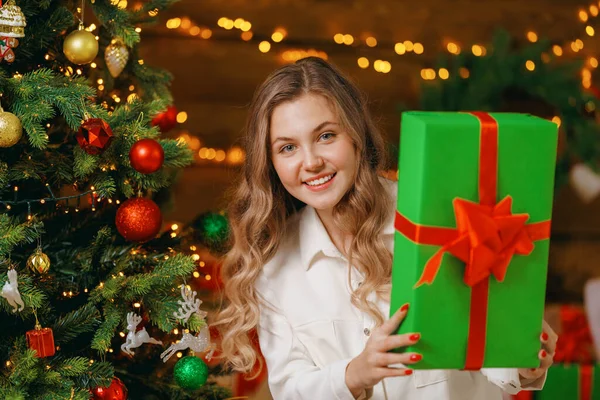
[(390, 372), (391, 325), (545, 358), (545, 361), (387, 359), (395, 341), (548, 338)]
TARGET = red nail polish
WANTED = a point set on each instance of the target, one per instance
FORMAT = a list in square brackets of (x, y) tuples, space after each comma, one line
[(544, 336), (533, 369), (416, 357), (408, 372), (414, 337), (404, 307), (544, 354)]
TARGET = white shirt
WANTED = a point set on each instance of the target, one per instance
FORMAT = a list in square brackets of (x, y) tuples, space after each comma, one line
[(313, 330)]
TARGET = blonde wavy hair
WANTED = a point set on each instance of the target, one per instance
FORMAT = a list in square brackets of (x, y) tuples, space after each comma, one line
[(260, 205)]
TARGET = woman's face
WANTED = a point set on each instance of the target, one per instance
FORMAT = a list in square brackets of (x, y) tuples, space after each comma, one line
[(313, 156)]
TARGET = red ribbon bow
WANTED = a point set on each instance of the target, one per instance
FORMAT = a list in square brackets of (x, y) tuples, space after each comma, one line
[(486, 237), (575, 343)]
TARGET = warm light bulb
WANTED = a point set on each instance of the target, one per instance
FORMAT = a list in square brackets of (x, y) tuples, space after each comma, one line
[(590, 30), (246, 26), (182, 117), (557, 50), (277, 37), (400, 48), (363, 62), (443, 73), (264, 46), (532, 36)]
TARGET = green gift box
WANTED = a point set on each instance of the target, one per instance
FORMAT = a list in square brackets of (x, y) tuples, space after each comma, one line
[(472, 236), (572, 382)]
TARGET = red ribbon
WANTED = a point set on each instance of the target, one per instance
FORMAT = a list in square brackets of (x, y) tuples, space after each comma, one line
[(486, 237), (575, 343), (586, 373)]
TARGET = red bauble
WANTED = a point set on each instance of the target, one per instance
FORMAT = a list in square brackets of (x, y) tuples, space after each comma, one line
[(166, 120), (116, 391), (94, 136), (42, 341), (138, 219), (146, 156)]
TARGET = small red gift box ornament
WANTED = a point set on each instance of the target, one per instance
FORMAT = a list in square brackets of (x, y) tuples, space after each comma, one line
[(42, 341)]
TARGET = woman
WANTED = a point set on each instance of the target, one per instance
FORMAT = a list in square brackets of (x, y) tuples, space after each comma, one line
[(311, 261)]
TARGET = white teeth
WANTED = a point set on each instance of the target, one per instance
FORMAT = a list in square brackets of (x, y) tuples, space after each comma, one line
[(321, 181)]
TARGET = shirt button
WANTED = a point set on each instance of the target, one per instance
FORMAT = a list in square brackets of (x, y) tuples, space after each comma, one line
[(367, 332)]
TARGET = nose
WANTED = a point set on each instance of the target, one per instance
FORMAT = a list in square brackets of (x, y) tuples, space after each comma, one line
[(313, 160)]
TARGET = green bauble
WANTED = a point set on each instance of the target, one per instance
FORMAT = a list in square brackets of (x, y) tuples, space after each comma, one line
[(212, 229), (190, 373)]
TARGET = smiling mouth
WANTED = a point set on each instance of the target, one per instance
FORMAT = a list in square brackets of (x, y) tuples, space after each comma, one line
[(320, 181)]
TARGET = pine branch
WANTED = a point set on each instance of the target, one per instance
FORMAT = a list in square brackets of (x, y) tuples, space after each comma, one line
[(75, 323), (117, 22), (72, 367), (104, 334), (100, 374), (85, 164), (13, 234), (24, 361), (177, 154)]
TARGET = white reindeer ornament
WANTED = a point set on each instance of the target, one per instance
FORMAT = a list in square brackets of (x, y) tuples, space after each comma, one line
[(10, 291), (188, 306), (136, 339), (197, 344)]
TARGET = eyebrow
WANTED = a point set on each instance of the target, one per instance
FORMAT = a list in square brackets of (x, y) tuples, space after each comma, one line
[(317, 128)]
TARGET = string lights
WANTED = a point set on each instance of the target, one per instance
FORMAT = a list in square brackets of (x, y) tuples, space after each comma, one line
[(233, 156), (9, 204), (265, 44)]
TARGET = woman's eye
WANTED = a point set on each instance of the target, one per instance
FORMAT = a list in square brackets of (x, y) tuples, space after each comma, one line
[(287, 148), (327, 136)]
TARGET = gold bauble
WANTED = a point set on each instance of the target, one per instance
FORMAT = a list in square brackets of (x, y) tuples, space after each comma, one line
[(10, 129), (80, 47), (38, 262), (116, 56)]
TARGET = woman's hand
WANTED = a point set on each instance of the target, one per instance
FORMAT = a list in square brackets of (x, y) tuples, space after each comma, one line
[(546, 354), (373, 364)]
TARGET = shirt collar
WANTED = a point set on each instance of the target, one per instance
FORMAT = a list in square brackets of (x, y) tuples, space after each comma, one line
[(315, 240)]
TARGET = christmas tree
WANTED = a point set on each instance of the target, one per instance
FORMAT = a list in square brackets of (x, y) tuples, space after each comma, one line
[(94, 296)]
